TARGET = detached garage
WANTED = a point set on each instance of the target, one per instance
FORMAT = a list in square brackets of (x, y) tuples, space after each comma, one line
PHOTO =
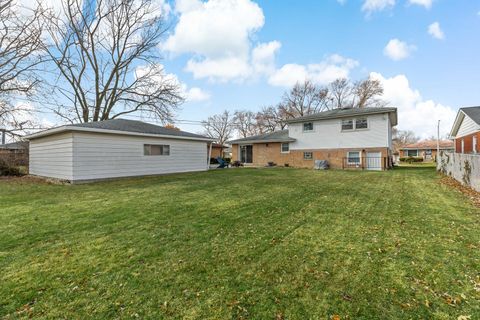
[(115, 148)]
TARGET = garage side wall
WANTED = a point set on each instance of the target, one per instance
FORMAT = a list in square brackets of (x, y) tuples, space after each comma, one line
[(52, 156), (104, 156)]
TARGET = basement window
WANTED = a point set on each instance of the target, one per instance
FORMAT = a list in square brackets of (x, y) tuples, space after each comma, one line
[(353, 157), (308, 155), (156, 150)]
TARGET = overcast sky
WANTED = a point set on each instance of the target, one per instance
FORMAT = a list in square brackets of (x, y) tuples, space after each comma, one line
[(243, 54)]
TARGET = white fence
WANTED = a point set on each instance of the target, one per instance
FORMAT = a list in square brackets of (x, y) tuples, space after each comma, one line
[(464, 168)]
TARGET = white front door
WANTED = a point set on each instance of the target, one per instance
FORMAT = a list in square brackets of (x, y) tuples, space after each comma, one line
[(374, 161)]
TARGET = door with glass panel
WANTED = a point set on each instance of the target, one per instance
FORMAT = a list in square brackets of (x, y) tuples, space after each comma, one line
[(246, 154)]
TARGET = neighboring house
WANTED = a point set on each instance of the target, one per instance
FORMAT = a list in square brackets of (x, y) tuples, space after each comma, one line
[(466, 130), (14, 147), (218, 151), (114, 148), (15, 153), (425, 149), (346, 138)]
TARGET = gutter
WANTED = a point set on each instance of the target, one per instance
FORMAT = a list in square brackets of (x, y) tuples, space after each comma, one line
[(118, 132)]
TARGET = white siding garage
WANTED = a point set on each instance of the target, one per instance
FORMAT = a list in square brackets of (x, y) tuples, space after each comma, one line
[(92, 152)]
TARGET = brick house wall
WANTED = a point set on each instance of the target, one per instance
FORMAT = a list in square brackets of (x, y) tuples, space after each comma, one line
[(271, 152), (467, 143)]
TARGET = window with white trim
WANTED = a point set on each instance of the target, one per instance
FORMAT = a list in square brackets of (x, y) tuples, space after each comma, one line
[(412, 153), (285, 147), (347, 124), (308, 126), (353, 157), (308, 155), (361, 123), (156, 150), (474, 144), (463, 146)]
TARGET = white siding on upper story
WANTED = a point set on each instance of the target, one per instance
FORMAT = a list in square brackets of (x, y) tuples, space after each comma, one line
[(328, 134), (52, 156), (468, 126), (100, 156)]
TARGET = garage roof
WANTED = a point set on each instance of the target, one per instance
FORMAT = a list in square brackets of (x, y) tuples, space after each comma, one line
[(122, 126)]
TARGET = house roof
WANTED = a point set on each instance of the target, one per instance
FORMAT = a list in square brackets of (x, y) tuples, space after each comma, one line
[(347, 112), (429, 144), (276, 136), (472, 112), (122, 126), (19, 145)]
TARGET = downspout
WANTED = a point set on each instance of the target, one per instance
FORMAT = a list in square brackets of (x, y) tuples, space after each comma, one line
[(209, 155)]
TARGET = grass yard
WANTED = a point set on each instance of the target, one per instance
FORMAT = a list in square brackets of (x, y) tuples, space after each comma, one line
[(241, 244)]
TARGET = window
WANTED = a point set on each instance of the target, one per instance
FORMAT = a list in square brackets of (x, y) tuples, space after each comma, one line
[(347, 124), (474, 144), (285, 147), (308, 155), (156, 150), (353, 157), (412, 153), (361, 123), (463, 146), (308, 126)]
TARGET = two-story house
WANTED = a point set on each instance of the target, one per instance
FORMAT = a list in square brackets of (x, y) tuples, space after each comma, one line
[(346, 138)]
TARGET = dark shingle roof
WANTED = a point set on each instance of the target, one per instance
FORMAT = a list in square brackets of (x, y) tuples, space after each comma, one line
[(473, 113), (429, 144), (20, 145), (276, 136), (344, 112), (135, 126), (121, 125)]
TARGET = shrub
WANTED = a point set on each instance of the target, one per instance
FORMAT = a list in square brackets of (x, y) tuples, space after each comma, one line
[(411, 159), (8, 170)]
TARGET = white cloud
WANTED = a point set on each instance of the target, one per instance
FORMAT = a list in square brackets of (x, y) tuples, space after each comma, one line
[(377, 5), (426, 3), (193, 94), (218, 33), (326, 71), (342, 2), (263, 57), (196, 95), (436, 31), (398, 50), (415, 113)]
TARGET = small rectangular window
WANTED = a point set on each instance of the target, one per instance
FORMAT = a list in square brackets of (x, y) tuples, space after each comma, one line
[(308, 126), (347, 124), (353, 157), (412, 153), (285, 147), (474, 144), (308, 155), (156, 149), (361, 123)]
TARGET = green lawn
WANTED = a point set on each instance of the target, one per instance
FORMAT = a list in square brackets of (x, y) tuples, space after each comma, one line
[(241, 244)]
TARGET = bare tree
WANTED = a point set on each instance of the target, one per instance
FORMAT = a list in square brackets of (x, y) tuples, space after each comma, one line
[(271, 118), (304, 99), (20, 41), (367, 93), (403, 137), (246, 123), (340, 92), (219, 127), (105, 55)]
